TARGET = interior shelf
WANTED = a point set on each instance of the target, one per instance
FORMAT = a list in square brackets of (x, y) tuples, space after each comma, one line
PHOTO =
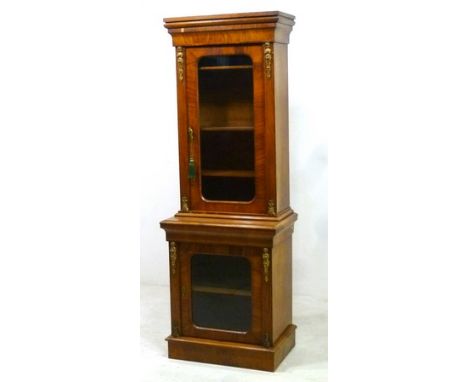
[(219, 290), (227, 128), (229, 173), (225, 67)]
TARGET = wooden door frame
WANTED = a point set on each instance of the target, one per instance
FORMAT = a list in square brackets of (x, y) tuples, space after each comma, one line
[(197, 203), (255, 334)]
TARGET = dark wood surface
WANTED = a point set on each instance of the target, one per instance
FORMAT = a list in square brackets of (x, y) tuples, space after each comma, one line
[(246, 229)]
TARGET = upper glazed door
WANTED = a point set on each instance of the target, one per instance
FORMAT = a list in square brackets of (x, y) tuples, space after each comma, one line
[(226, 129)]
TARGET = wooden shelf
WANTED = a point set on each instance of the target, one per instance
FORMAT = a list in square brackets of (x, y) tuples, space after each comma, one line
[(218, 290), (227, 128), (229, 173), (226, 67)]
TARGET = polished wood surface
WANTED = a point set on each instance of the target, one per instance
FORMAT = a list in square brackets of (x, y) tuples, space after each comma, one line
[(236, 28), (258, 231), (281, 286), (262, 232), (232, 353), (281, 126), (230, 16)]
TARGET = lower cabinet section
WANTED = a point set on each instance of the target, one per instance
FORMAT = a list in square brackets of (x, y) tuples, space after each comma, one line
[(231, 291)]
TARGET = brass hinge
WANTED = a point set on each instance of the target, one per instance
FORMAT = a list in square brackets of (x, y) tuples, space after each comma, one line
[(180, 62), (266, 263), (268, 58), (173, 256), (185, 206)]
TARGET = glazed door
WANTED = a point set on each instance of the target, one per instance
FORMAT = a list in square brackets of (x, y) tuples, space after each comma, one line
[(221, 294), (226, 140)]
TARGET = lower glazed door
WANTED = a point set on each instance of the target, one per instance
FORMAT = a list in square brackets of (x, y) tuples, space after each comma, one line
[(221, 292)]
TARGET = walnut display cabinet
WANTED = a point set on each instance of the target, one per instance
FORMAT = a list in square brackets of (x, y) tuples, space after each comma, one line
[(230, 245)]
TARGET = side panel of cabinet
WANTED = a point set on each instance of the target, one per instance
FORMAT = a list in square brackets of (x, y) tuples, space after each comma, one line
[(281, 287), (189, 286), (281, 126)]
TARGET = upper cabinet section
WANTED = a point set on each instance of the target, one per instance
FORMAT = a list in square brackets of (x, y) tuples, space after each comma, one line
[(236, 28), (232, 98)]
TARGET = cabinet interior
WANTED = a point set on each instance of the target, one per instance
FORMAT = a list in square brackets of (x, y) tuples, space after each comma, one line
[(221, 292), (226, 127)]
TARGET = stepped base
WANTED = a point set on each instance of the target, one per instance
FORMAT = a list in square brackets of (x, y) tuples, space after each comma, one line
[(233, 353)]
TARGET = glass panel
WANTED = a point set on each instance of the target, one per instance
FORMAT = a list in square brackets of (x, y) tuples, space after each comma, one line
[(228, 188), (219, 153), (227, 130), (221, 292)]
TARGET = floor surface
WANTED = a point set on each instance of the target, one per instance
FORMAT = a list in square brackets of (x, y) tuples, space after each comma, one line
[(306, 362)]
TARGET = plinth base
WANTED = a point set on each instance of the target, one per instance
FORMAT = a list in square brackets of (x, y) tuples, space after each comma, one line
[(233, 353)]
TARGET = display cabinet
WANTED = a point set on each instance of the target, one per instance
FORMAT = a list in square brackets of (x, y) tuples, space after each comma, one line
[(230, 251)]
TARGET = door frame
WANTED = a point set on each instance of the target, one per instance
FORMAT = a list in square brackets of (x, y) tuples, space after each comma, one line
[(254, 335), (197, 203)]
